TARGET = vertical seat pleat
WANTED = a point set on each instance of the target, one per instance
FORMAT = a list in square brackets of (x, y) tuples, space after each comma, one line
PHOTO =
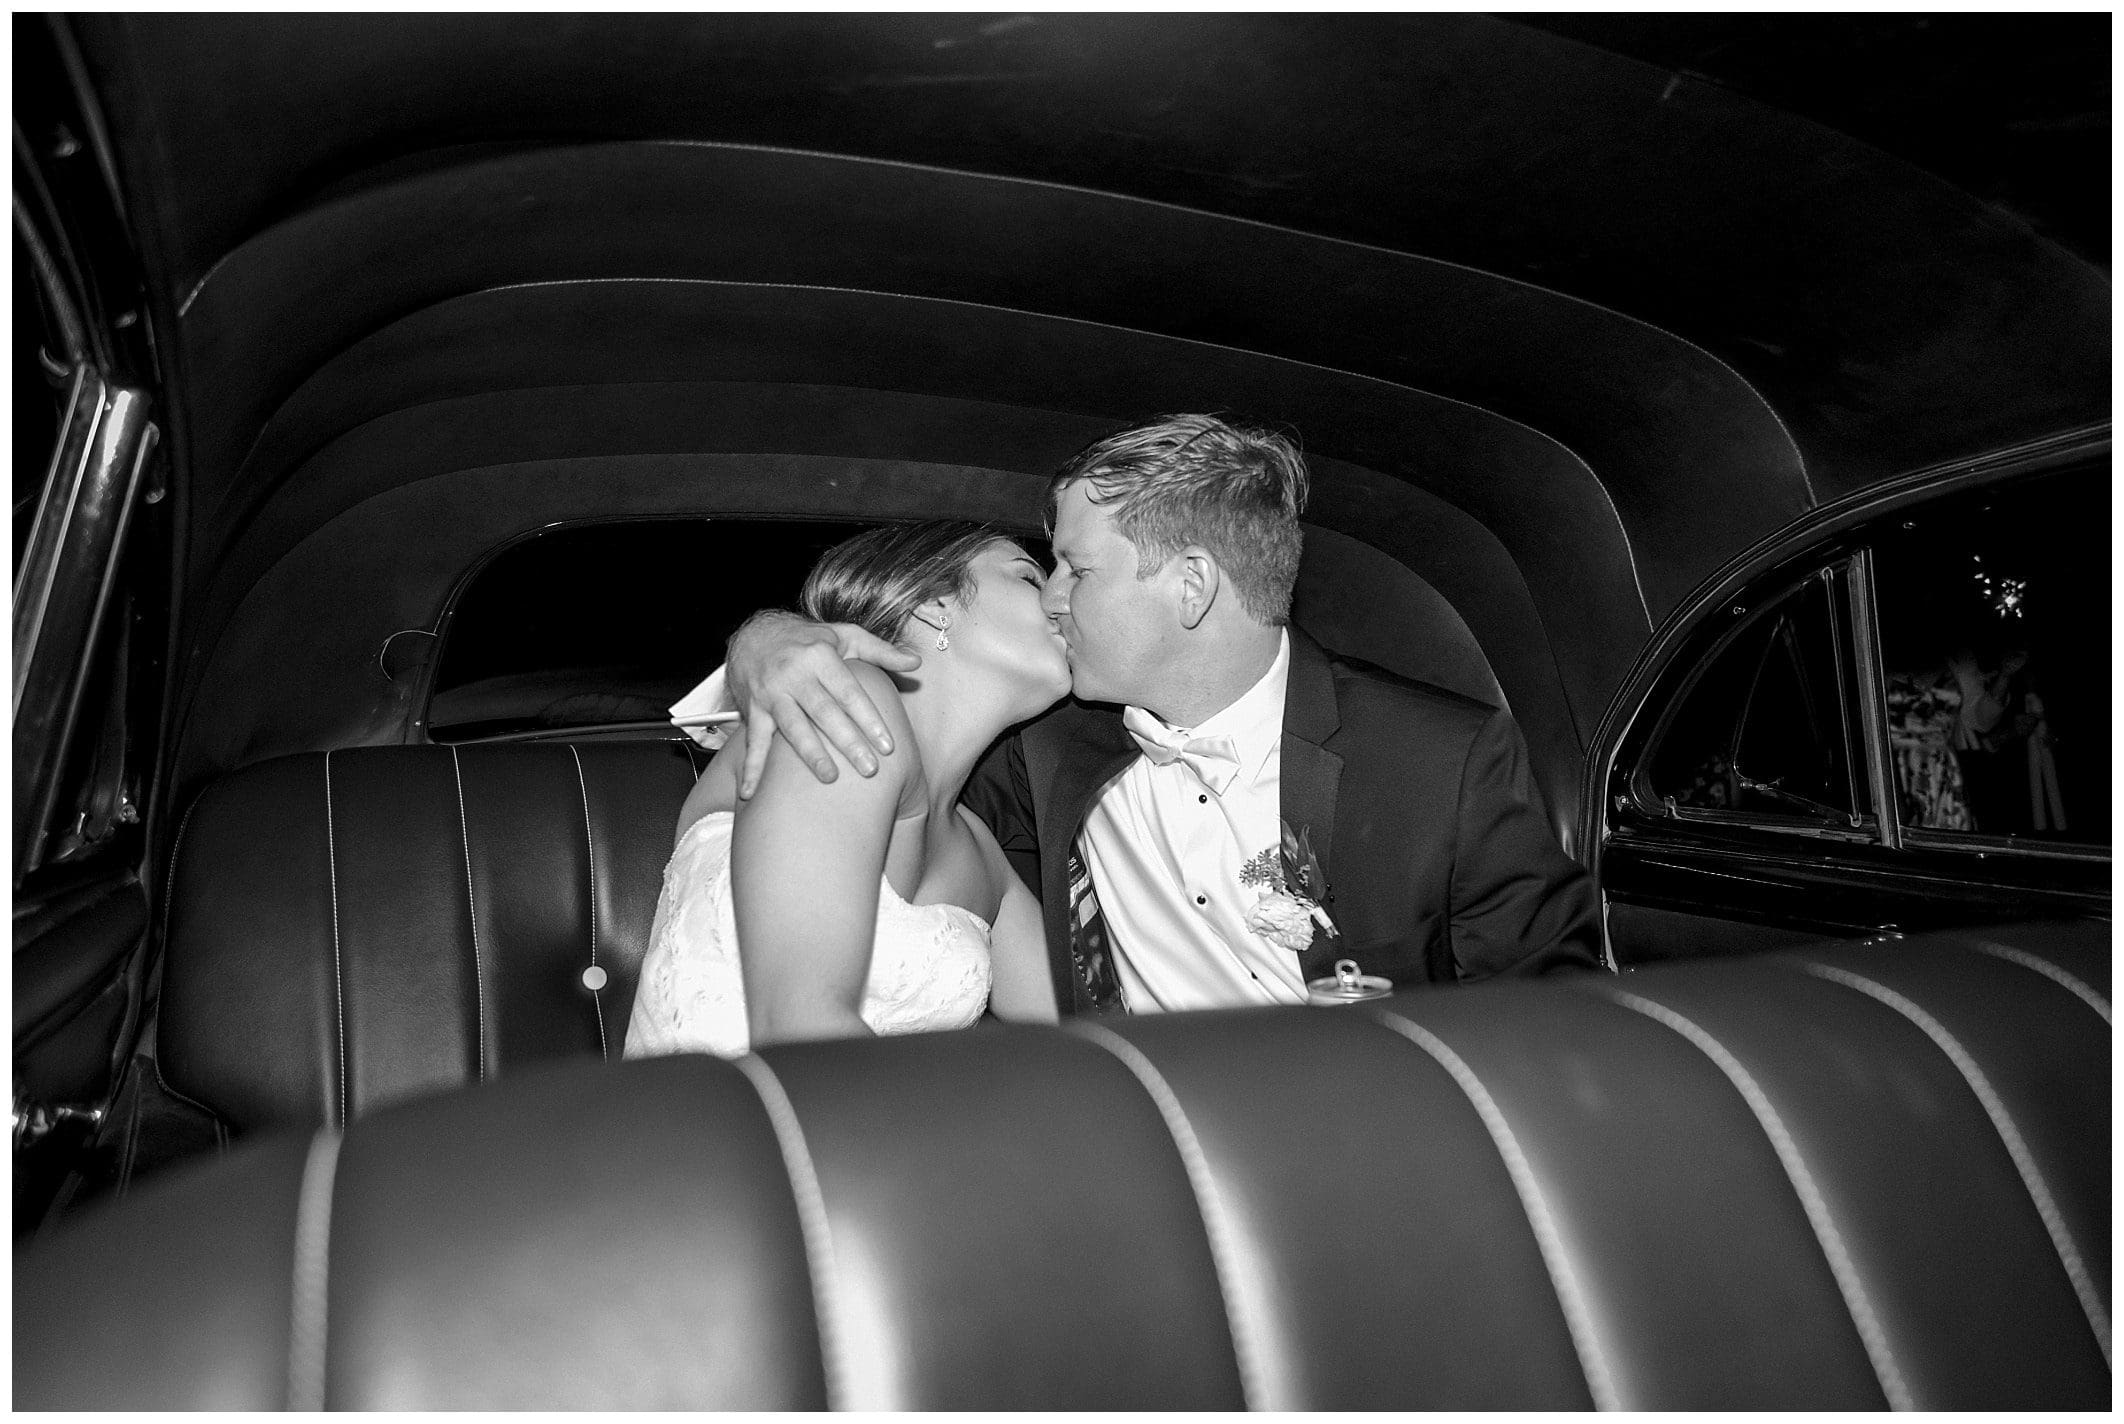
[(523, 807)]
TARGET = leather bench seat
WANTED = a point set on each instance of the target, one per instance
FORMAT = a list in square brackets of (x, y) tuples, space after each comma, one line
[(1835, 1178), (353, 928)]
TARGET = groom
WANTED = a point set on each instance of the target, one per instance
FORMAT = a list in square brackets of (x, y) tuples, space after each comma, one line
[(1251, 808)]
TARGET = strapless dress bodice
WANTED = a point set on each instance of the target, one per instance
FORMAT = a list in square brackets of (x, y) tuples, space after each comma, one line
[(929, 964)]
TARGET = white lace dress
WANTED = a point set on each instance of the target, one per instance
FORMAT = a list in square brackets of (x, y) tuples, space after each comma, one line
[(929, 965)]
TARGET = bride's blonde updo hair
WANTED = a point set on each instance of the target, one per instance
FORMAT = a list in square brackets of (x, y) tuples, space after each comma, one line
[(877, 579)]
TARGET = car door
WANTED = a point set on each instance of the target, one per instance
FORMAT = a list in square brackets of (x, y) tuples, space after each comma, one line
[(90, 624), (1902, 725)]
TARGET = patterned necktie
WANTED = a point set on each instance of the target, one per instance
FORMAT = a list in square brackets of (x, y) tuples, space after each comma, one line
[(1091, 948), (1213, 760)]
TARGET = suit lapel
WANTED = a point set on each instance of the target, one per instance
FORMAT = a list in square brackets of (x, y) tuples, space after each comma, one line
[(1067, 774), (1311, 773), (1096, 750)]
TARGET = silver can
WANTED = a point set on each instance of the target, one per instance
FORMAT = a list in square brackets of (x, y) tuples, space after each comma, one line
[(1348, 985)]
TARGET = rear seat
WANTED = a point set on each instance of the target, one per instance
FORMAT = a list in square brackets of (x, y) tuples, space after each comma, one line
[(1840, 1177), (355, 928)]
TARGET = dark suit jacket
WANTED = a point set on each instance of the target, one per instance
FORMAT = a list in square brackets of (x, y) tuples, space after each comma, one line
[(1418, 803)]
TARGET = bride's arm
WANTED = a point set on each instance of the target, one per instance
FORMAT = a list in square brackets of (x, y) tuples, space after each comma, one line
[(805, 861), (1022, 990)]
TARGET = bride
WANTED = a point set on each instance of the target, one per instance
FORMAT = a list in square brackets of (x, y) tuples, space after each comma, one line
[(867, 904)]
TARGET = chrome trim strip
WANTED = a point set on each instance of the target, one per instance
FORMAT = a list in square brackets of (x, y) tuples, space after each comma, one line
[(1873, 694)]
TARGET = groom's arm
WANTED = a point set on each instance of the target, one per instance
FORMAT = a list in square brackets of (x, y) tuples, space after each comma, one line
[(1519, 904), (788, 674)]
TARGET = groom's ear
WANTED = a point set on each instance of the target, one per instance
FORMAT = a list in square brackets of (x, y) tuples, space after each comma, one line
[(1198, 580)]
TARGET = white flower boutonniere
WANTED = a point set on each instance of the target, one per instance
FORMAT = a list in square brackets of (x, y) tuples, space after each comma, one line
[(1293, 886)]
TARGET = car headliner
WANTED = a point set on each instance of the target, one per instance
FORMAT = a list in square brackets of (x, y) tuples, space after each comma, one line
[(1562, 332)]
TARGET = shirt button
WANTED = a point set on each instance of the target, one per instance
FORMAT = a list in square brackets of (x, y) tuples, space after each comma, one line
[(1202, 899), (1203, 798)]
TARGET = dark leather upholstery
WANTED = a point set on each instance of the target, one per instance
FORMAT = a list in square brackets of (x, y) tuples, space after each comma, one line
[(353, 928), (1838, 1177)]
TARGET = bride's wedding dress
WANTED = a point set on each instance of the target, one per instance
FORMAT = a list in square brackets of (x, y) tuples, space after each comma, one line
[(929, 965)]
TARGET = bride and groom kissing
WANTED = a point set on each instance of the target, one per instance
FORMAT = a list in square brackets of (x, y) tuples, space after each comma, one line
[(1195, 805)]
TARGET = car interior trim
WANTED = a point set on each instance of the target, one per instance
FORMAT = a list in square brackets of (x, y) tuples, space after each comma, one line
[(1864, 629), (1848, 1282), (845, 1387), (1980, 845), (1578, 1317), (2046, 1206)]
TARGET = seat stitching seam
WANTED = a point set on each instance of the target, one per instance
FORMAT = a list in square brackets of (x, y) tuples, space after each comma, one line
[(2049, 971), (1209, 1205), (339, 985), (479, 983), (132, 1145), (813, 1225), (1570, 1295), (307, 1326), (169, 898), (169, 881), (597, 997), (1831, 1240), (2016, 1147), (180, 1097)]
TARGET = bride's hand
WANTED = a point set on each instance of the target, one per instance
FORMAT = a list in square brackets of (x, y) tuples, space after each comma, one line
[(790, 675)]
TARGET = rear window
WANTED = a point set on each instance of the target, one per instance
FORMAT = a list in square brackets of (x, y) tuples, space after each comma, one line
[(608, 624)]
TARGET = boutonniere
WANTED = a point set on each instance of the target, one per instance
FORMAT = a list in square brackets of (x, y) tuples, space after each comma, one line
[(1292, 884)]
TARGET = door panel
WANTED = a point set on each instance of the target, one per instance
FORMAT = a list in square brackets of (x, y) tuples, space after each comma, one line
[(77, 996), (1694, 890)]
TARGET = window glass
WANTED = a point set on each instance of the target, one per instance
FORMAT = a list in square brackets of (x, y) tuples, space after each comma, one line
[(610, 623), (1994, 614), (1765, 729)]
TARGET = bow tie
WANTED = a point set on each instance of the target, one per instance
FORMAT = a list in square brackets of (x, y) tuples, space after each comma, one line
[(1214, 760)]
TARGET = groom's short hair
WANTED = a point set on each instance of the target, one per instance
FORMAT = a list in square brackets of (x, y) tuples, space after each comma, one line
[(1194, 479)]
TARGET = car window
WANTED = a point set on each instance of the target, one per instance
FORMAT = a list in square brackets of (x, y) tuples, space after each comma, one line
[(1766, 728), (601, 624), (1994, 631)]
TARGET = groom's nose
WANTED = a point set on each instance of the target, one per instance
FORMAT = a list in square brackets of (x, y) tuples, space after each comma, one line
[(1054, 599)]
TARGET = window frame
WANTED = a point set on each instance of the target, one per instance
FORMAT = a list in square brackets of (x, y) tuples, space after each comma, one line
[(1857, 629), (1857, 827)]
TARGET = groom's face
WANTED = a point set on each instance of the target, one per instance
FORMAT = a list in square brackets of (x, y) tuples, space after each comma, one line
[(1116, 624)]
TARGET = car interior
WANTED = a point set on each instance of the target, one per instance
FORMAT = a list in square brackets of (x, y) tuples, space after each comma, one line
[(415, 439)]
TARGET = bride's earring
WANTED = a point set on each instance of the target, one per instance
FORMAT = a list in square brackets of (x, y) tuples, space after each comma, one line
[(944, 634)]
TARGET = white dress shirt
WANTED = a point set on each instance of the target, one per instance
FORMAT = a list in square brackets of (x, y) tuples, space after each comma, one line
[(1164, 852)]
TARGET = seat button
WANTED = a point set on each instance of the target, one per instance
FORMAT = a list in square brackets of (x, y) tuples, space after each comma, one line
[(593, 978)]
